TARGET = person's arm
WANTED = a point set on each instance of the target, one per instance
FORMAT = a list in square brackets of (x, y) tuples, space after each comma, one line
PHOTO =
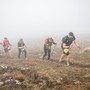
[(76, 44), (54, 43), (24, 45), (18, 44), (9, 43), (65, 46), (1, 43)]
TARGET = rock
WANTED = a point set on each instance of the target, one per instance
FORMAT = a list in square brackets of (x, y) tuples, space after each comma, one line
[(18, 82), (77, 82), (87, 76), (20, 77), (4, 66), (59, 80), (1, 83)]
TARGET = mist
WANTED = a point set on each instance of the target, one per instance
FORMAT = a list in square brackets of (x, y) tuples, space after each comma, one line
[(34, 19)]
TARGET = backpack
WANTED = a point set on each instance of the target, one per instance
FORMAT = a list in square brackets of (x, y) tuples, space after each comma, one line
[(46, 41)]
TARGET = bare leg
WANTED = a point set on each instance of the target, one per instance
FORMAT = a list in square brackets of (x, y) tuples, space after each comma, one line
[(6, 55), (68, 58), (45, 53), (61, 58)]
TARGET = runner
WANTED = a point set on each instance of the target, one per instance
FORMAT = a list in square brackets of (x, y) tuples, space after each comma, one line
[(47, 48), (7, 47), (21, 48), (66, 43)]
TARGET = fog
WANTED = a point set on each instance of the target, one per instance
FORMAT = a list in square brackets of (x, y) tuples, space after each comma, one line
[(32, 19)]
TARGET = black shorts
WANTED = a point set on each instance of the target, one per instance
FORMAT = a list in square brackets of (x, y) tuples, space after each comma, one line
[(6, 50)]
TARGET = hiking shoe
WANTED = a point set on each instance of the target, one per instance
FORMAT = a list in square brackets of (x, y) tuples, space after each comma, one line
[(61, 63), (49, 59), (68, 64)]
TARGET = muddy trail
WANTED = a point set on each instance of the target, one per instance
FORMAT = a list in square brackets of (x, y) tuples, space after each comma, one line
[(38, 74)]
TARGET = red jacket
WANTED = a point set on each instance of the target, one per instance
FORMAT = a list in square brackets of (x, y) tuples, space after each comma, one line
[(6, 44)]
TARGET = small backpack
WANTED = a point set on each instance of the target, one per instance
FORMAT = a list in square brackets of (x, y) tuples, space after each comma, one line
[(46, 41)]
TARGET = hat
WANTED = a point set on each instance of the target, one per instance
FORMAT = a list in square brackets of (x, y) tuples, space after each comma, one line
[(21, 39), (71, 34), (5, 37)]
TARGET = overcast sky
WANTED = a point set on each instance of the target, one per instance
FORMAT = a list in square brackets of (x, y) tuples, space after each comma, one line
[(38, 18)]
